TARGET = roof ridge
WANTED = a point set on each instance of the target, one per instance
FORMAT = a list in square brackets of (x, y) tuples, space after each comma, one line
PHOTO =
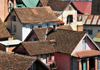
[(36, 41)]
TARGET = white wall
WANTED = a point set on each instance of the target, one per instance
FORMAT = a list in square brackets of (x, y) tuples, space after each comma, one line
[(74, 23), (26, 28)]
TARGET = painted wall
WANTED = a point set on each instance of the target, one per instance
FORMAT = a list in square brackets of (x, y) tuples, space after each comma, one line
[(26, 29), (63, 61), (89, 45), (73, 24), (94, 28)]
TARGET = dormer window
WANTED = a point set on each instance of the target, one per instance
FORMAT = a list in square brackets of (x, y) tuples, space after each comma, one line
[(13, 18)]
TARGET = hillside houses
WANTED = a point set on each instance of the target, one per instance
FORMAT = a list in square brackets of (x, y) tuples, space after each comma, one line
[(49, 35)]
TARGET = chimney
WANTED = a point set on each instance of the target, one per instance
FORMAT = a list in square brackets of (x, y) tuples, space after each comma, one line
[(54, 27)]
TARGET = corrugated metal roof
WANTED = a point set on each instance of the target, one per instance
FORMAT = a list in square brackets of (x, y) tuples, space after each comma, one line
[(91, 19), (83, 6)]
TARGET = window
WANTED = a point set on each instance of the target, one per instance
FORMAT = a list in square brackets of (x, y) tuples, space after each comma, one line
[(48, 24), (18, 1), (69, 18), (34, 39), (84, 45), (98, 30), (39, 26), (90, 32), (14, 26), (13, 18), (50, 56), (70, 8)]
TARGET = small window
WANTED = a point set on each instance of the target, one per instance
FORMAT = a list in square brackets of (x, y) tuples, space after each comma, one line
[(14, 26), (34, 39), (84, 45), (90, 32), (13, 18), (98, 31), (39, 26), (70, 8), (50, 56), (84, 30), (69, 18)]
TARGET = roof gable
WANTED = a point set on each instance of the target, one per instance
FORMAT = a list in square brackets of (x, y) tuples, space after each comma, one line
[(86, 35)]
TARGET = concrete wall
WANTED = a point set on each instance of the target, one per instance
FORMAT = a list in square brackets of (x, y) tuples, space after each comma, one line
[(63, 61), (89, 46), (94, 28)]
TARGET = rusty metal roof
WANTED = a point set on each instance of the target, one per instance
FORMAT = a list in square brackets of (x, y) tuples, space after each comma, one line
[(91, 19)]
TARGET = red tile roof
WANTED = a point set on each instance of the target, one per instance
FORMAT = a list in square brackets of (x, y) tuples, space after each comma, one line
[(83, 6), (82, 54)]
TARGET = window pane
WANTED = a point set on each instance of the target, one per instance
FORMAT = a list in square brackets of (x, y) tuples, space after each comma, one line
[(90, 32)]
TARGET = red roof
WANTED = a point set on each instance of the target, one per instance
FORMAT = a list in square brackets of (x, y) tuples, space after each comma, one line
[(83, 6), (82, 54)]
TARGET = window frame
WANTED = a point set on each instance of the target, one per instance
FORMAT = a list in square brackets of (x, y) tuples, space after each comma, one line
[(69, 18), (90, 31), (13, 18)]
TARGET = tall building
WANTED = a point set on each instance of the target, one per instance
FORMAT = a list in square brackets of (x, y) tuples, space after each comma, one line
[(95, 7)]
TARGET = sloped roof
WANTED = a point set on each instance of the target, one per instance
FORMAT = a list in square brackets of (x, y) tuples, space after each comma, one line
[(35, 15), (83, 6), (97, 38), (38, 47), (3, 31), (41, 32), (66, 40), (82, 54), (44, 2), (67, 27), (91, 20), (10, 61), (56, 5)]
